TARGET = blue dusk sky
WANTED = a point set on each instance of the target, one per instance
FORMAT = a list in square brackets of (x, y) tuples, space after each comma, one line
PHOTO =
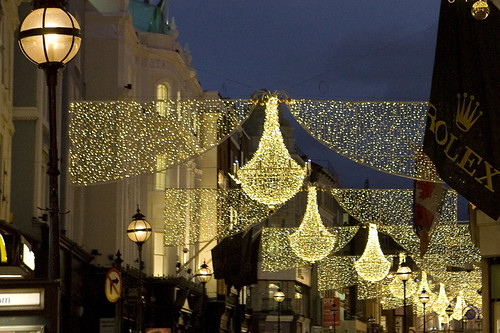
[(317, 49)]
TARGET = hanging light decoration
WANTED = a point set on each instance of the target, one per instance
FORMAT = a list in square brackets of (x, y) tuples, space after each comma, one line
[(441, 302), (372, 265), (480, 10), (459, 306), (312, 241), (424, 284), (272, 176)]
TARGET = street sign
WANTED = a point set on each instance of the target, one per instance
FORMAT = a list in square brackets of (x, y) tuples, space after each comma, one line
[(113, 285)]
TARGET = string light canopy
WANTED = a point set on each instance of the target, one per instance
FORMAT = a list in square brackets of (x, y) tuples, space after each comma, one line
[(312, 241), (271, 176), (390, 206), (201, 214), (372, 265), (383, 135), (114, 140)]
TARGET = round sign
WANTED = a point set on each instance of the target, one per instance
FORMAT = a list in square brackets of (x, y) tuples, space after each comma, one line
[(113, 285), (470, 314)]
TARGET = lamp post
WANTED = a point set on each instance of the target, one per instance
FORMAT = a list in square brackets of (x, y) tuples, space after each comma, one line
[(334, 311), (139, 231), (371, 320), (204, 275), (279, 296), (50, 37), (449, 312), (404, 273), (424, 298)]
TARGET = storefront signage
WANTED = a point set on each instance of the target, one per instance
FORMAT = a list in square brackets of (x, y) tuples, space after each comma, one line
[(331, 319), (21, 299), (28, 257)]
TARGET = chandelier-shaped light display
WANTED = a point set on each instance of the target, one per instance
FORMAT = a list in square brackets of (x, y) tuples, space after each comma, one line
[(372, 265), (312, 241), (441, 302), (459, 306), (271, 177), (424, 284), (277, 255)]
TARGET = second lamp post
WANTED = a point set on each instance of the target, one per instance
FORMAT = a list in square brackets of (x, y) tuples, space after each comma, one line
[(404, 273), (424, 298), (204, 275), (139, 231), (279, 296)]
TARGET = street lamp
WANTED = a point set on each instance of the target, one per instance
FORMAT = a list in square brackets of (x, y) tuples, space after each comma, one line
[(279, 296), (204, 275), (424, 298), (449, 312), (50, 37), (371, 320), (334, 311), (404, 273), (139, 231)]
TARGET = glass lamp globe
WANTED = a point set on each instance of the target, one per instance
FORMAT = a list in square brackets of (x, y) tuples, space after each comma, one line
[(50, 36), (424, 297), (139, 230), (279, 296), (204, 273), (403, 272), (449, 310)]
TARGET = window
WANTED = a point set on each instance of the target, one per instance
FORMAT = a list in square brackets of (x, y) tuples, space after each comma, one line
[(159, 254), (161, 98), (161, 173), (161, 109)]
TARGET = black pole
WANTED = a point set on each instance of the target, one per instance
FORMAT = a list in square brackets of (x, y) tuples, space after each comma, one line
[(404, 306), (334, 323), (53, 173), (139, 292), (203, 311), (279, 315), (54, 273), (118, 304), (424, 317)]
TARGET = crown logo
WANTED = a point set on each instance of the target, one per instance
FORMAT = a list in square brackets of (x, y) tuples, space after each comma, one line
[(467, 113)]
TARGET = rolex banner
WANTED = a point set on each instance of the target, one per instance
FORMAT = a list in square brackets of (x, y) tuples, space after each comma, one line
[(462, 135)]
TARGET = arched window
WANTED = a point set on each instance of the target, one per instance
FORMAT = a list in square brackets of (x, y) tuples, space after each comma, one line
[(161, 173), (161, 98), (161, 109)]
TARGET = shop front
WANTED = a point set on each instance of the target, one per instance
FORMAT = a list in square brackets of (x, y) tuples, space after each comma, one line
[(25, 306)]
